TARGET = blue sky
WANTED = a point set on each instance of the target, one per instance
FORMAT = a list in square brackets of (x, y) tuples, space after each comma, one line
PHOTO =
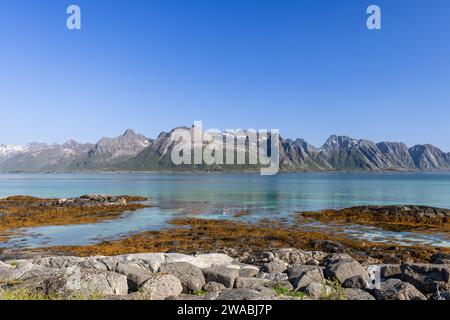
[(310, 68)]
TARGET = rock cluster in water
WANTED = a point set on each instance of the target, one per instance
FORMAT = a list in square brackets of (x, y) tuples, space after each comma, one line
[(276, 274), (412, 215), (92, 200)]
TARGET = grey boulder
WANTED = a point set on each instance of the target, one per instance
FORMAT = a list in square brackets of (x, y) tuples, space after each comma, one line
[(161, 287), (343, 269), (87, 282), (221, 274), (355, 282), (12, 270), (257, 283), (302, 275), (426, 277), (358, 294), (66, 262), (213, 287), (277, 276), (200, 260), (390, 271), (394, 289), (191, 277), (317, 291), (152, 261), (248, 271), (274, 266), (243, 294), (136, 275)]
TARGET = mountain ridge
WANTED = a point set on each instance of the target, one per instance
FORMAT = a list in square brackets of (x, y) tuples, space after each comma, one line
[(132, 151)]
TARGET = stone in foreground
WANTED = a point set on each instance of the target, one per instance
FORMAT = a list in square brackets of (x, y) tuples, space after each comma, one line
[(221, 274), (191, 277), (394, 289), (88, 283), (427, 277), (343, 269), (161, 287)]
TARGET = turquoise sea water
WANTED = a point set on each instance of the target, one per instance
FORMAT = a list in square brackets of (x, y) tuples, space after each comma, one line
[(220, 196)]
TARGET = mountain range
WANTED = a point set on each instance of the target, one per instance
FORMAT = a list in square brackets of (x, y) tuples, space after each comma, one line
[(135, 152)]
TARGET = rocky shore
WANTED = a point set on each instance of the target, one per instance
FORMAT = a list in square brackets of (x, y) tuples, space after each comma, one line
[(25, 211), (288, 274), (222, 259), (388, 217)]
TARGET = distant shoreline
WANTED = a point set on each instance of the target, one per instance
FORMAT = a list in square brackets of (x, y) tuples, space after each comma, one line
[(231, 172)]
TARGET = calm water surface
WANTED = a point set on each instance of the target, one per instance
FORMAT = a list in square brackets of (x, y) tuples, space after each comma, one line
[(222, 195)]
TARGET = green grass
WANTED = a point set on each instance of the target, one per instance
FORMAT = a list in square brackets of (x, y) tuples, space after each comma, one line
[(282, 291), (199, 292), (24, 294), (332, 290), (14, 264), (81, 297)]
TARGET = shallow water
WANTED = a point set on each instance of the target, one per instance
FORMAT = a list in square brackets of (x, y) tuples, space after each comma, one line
[(222, 195)]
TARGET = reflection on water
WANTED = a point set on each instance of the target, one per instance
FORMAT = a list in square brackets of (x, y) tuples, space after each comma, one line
[(131, 222), (221, 196)]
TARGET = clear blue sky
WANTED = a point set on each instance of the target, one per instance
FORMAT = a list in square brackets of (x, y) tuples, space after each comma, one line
[(310, 68)]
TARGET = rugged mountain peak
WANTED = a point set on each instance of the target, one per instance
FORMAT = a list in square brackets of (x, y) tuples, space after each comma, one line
[(126, 146), (133, 151), (71, 144), (429, 157), (301, 143), (336, 142), (387, 146), (7, 150), (129, 133)]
